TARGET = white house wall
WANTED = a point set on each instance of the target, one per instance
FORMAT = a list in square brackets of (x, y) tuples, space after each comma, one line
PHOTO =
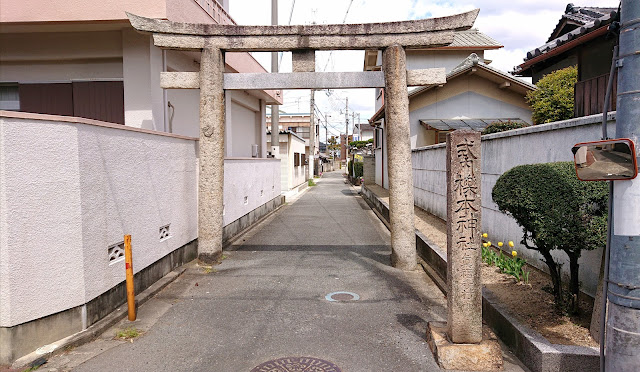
[(143, 97), (245, 124), (69, 191)]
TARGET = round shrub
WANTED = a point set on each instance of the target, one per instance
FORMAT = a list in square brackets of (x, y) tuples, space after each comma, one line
[(555, 211)]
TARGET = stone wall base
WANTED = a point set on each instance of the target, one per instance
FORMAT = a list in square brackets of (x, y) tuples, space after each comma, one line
[(485, 356), (24, 338), (238, 226)]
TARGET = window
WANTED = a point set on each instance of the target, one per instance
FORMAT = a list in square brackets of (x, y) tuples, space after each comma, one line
[(441, 136), (296, 159), (303, 159), (9, 97), (378, 138)]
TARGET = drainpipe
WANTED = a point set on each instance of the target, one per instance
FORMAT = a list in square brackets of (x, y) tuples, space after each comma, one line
[(623, 325)]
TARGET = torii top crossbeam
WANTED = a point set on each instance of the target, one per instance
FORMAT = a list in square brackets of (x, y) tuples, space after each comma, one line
[(425, 33)]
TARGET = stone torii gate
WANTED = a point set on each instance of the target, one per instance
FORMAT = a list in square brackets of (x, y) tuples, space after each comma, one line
[(393, 38)]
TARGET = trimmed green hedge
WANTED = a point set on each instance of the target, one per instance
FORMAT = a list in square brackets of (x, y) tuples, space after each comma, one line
[(556, 211), (498, 126)]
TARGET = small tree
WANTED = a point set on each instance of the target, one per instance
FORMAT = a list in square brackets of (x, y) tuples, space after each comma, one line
[(556, 211), (554, 98), (333, 145)]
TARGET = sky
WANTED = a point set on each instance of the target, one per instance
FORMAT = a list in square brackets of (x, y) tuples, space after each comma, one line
[(520, 26)]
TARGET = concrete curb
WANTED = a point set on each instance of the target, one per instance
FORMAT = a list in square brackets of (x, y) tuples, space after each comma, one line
[(100, 326), (535, 351)]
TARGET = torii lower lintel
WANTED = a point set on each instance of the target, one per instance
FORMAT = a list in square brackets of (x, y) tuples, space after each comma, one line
[(303, 80)]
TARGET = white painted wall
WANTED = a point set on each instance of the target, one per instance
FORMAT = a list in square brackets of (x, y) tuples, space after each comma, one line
[(67, 192), (500, 152), (143, 97), (248, 184)]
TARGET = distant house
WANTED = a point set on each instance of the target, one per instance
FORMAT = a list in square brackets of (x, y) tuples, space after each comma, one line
[(299, 124), (293, 161), (475, 94), (581, 38)]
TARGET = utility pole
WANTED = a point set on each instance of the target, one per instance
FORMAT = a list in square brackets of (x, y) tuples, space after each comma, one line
[(275, 109), (623, 324), (312, 135), (346, 135)]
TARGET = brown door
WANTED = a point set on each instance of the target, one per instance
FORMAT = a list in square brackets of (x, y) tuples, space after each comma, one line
[(50, 98), (99, 100)]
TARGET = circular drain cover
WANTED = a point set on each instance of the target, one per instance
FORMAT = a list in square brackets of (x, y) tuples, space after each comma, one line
[(342, 296), (297, 364)]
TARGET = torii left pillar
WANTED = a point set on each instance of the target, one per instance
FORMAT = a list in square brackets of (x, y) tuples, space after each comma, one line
[(211, 149)]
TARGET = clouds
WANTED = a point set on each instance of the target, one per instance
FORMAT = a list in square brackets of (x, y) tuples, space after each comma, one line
[(519, 25)]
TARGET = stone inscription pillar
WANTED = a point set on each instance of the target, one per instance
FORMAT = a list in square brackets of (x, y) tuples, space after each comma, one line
[(403, 238), (464, 288), (211, 145)]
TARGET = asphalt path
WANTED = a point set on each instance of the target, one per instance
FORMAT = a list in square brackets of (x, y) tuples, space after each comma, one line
[(267, 299)]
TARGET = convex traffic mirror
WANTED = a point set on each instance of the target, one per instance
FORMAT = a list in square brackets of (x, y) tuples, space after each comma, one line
[(605, 160)]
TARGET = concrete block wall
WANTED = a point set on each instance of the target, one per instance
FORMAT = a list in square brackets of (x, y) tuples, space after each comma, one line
[(248, 184), (500, 152), (70, 188)]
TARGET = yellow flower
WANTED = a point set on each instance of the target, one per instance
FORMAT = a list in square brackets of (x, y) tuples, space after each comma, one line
[(514, 253), (485, 235), (500, 244), (488, 243), (510, 244), (485, 245)]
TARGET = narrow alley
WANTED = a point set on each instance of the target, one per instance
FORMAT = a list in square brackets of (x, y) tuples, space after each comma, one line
[(270, 298)]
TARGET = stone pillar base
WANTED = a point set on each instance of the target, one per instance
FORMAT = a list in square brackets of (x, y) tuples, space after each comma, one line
[(485, 356)]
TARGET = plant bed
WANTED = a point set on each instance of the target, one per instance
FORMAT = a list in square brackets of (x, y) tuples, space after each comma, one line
[(532, 303)]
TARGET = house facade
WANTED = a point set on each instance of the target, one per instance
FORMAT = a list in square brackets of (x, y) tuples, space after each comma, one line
[(92, 148), (583, 37), (474, 93)]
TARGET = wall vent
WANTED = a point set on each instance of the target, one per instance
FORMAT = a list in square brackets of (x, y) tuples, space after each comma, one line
[(246, 200), (164, 232), (116, 253)]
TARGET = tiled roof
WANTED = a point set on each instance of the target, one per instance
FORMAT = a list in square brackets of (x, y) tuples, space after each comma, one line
[(586, 20), (473, 38), (580, 16), (473, 60)]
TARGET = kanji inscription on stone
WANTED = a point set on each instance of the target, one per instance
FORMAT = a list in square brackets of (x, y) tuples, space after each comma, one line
[(464, 296)]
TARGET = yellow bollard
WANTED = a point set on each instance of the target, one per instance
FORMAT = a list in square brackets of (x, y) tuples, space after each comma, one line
[(131, 296)]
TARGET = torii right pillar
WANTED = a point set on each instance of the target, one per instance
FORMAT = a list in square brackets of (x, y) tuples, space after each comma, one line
[(401, 219)]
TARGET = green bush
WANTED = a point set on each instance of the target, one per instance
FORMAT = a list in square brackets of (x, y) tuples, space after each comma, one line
[(555, 211), (501, 126), (553, 100), (358, 169)]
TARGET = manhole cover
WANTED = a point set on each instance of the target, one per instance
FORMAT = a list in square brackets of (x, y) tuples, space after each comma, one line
[(342, 296), (297, 364)]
